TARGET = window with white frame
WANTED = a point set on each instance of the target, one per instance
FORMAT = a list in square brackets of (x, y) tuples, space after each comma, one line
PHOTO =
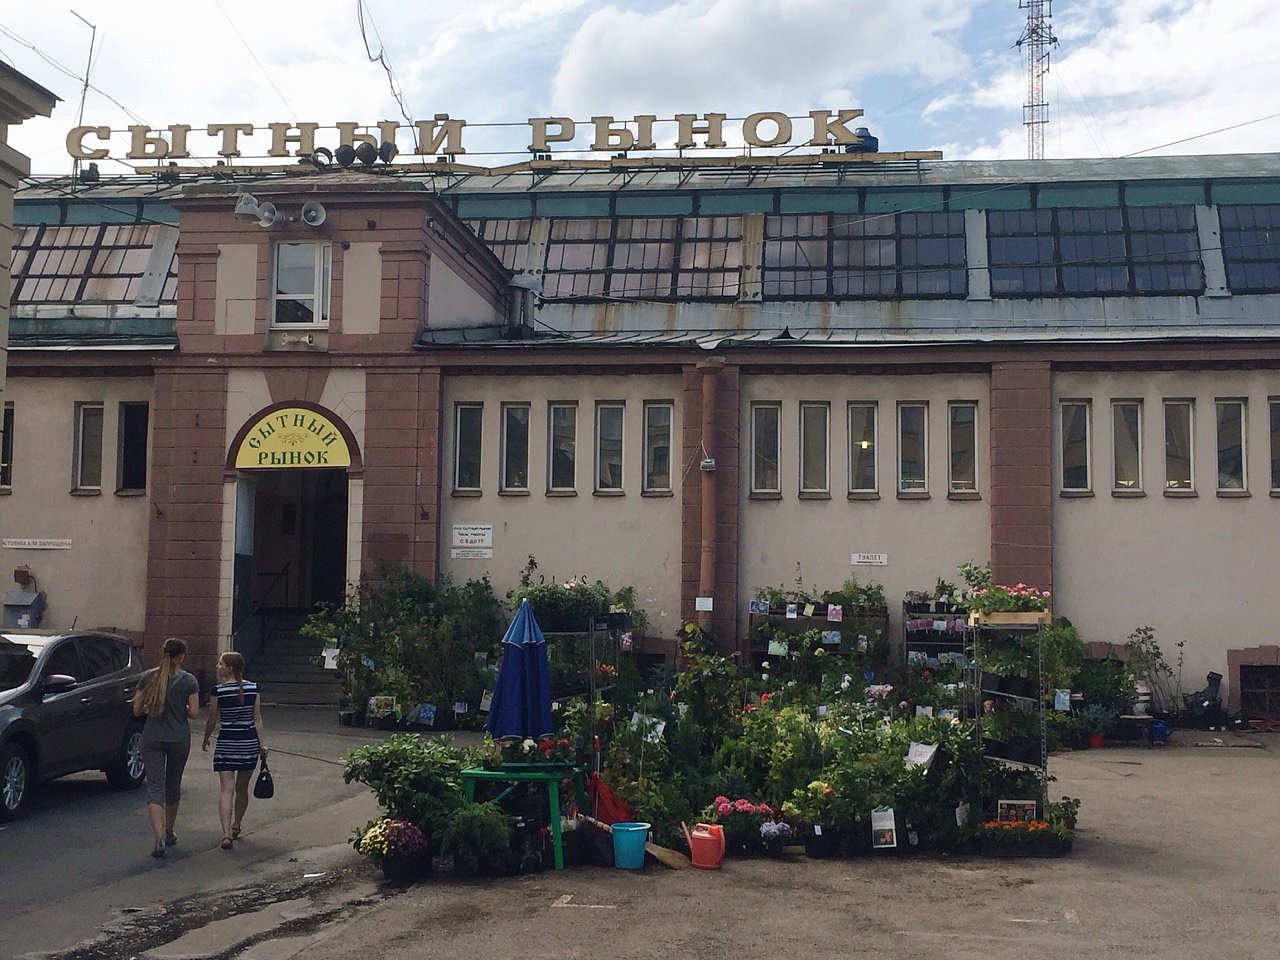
[(657, 446), (468, 423), (862, 448), (87, 456), (1126, 445), (300, 287), (1275, 443), (562, 439), (1231, 446), (962, 447), (913, 448), (131, 448), (515, 446), (6, 448), (1179, 416), (764, 447), (814, 441), (609, 417), (1075, 445)]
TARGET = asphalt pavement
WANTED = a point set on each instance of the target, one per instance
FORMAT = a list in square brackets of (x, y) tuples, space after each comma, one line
[(81, 857)]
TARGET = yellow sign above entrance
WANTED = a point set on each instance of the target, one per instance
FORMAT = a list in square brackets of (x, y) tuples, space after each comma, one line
[(293, 437)]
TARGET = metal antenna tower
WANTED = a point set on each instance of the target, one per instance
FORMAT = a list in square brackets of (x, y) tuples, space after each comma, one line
[(1037, 37)]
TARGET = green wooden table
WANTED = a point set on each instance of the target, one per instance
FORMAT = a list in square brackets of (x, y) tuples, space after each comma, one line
[(550, 774)]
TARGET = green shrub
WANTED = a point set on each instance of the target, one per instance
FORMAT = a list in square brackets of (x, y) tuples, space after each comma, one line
[(477, 836), (413, 778)]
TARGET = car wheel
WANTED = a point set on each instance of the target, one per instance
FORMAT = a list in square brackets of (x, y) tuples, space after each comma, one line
[(127, 772), (15, 781)]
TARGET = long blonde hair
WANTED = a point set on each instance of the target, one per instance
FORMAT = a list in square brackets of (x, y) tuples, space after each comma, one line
[(234, 662), (156, 687)]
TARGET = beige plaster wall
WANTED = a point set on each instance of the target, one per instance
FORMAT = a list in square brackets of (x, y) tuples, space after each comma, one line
[(101, 580), (1202, 570), (361, 287), (631, 540), (453, 302), (924, 538), (235, 292)]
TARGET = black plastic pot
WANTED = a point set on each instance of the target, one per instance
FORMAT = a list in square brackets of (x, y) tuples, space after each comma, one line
[(822, 846)]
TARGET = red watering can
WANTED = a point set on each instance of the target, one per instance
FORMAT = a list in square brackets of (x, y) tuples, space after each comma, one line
[(706, 844)]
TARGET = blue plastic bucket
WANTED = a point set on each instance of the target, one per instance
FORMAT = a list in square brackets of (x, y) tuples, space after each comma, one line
[(628, 845), (1159, 731)]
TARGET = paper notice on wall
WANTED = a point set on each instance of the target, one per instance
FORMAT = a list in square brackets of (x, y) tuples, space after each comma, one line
[(703, 604)]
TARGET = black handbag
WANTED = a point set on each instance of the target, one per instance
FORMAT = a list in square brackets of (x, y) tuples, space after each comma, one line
[(264, 787)]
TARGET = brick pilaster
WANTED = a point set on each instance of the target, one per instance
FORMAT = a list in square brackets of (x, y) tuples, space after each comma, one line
[(1022, 473)]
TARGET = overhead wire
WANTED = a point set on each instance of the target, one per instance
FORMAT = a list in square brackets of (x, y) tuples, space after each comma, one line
[(265, 73), (381, 58)]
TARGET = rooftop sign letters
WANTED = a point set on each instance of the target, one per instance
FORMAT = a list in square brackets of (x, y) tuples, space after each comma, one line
[(443, 135), (293, 437)]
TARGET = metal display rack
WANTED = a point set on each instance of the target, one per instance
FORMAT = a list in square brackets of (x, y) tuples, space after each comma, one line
[(1014, 692)]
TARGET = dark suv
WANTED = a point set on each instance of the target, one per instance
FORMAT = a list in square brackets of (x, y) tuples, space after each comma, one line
[(65, 706)]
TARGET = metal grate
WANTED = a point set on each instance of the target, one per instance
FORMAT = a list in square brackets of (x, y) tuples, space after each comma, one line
[(1260, 690)]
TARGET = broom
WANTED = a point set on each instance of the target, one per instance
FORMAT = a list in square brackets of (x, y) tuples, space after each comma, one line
[(664, 855)]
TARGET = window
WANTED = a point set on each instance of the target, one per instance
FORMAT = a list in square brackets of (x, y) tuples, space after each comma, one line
[(1094, 252), (87, 465), (63, 660), (764, 447), (131, 452), (1231, 447), (885, 255), (562, 426), (6, 447), (657, 446), (609, 446), (1275, 444), (862, 448), (1126, 436), (661, 258), (103, 263), (468, 420), (102, 656), (1251, 247), (1075, 445), (506, 238), (913, 448), (301, 288), (813, 448), (515, 446), (962, 440), (1177, 445)]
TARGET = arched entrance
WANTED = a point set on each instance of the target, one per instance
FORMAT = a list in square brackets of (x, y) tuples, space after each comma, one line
[(291, 464)]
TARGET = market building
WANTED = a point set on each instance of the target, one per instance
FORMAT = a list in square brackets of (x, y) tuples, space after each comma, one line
[(698, 378)]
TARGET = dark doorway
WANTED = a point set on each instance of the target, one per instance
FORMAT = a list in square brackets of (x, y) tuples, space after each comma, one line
[(299, 540)]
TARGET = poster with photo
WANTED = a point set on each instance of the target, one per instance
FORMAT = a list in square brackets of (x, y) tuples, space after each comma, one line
[(1015, 811), (883, 832), (793, 611), (835, 613), (831, 638), (758, 606)]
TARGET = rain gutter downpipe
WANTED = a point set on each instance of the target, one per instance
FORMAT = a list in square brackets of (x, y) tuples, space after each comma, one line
[(707, 563)]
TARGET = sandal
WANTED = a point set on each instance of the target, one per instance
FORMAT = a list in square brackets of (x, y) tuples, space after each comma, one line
[(170, 839), (158, 850), (225, 845), (235, 833)]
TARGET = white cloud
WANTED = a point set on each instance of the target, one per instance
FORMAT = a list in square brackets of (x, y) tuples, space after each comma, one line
[(738, 56)]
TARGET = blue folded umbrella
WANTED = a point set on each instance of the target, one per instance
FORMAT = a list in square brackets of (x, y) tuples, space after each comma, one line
[(521, 705)]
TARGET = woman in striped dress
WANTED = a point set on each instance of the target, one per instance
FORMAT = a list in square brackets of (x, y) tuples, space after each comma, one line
[(234, 709)]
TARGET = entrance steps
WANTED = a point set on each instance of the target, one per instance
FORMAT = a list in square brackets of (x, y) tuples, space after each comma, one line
[(288, 667)]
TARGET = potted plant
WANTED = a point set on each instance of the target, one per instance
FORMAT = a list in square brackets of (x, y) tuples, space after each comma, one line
[(1097, 720), (414, 778), (741, 820), (401, 848), (477, 837), (995, 604), (812, 807), (1063, 811), (1023, 838), (775, 834)]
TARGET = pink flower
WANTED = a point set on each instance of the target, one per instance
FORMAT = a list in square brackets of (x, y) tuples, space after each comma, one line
[(765, 809), (742, 806), (720, 799), (723, 808)]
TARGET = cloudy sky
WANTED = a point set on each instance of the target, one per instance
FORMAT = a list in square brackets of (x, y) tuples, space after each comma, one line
[(1127, 77)]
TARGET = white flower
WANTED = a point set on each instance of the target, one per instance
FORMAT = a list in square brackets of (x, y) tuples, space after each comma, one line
[(528, 745), (765, 665)]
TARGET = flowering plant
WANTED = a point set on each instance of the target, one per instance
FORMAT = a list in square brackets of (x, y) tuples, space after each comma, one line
[(812, 804), (999, 598), (544, 750), (775, 834), (379, 839), (741, 820), (1023, 831)]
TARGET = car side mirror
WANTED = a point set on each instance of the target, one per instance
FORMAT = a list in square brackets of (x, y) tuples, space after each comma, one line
[(58, 683)]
